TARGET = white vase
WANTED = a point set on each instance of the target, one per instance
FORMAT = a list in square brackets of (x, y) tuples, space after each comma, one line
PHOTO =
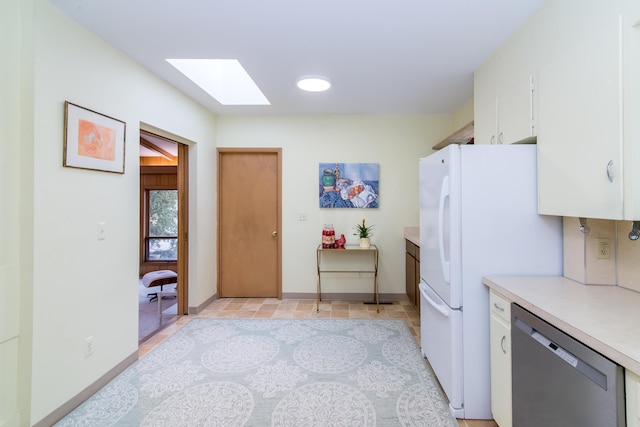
[(365, 242)]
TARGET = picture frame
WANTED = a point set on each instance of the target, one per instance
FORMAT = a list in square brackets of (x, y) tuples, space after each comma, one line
[(93, 140), (349, 185)]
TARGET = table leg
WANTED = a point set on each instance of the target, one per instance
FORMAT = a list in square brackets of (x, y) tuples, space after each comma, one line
[(375, 278), (318, 288)]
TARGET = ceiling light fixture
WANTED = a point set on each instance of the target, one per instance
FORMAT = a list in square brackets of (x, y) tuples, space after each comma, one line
[(314, 83)]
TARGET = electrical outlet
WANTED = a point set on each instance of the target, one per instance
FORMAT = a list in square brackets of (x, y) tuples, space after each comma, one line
[(604, 248), (88, 346), (302, 216)]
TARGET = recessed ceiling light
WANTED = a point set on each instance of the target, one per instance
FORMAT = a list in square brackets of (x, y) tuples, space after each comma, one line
[(314, 83), (224, 79)]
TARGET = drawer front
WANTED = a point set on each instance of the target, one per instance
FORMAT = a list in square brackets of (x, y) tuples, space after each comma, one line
[(411, 248), (500, 307)]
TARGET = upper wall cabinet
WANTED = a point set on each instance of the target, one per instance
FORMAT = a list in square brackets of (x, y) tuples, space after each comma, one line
[(503, 113), (582, 142), (584, 58), (505, 97)]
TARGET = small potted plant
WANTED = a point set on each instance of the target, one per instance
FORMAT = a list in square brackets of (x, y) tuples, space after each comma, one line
[(364, 232)]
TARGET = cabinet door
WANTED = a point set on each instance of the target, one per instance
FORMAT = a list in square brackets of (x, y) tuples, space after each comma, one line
[(500, 335), (410, 272), (515, 111), (417, 284), (632, 386), (485, 120), (500, 351), (579, 129), (631, 84)]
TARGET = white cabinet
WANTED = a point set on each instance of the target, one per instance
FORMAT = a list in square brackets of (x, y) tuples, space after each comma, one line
[(632, 391), (500, 336), (504, 103), (584, 58), (588, 90), (516, 110)]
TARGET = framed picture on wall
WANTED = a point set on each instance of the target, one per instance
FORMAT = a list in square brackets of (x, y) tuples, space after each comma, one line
[(349, 185), (92, 140)]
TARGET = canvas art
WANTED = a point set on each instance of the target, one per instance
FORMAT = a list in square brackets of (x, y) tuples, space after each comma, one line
[(349, 185)]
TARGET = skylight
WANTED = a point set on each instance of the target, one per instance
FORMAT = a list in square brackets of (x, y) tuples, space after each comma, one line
[(224, 79)]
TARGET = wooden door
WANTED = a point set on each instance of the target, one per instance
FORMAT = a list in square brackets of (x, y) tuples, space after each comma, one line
[(183, 229), (249, 217)]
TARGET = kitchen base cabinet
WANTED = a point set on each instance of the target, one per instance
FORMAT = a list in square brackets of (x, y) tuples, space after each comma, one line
[(632, 385), (413, 273), (500, 337)]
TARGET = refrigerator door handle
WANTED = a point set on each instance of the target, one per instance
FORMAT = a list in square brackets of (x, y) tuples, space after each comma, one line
[(441, 309), (444, 194)]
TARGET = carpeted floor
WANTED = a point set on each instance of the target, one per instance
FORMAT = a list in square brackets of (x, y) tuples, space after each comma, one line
[(274, 372)]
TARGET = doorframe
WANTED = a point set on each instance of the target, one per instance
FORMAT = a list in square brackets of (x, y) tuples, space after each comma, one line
[(221, 151), (182, 287), (183, 229)]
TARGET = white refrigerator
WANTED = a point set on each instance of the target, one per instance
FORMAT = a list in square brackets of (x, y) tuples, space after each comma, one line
[(478, 217)]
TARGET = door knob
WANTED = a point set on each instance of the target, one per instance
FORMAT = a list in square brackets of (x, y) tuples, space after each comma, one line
[(274, 233)]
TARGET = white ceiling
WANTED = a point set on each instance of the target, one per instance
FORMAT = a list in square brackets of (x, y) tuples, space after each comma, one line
[(383, 56)]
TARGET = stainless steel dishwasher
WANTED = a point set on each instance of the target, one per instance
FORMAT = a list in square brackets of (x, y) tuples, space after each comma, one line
[(558, 381)]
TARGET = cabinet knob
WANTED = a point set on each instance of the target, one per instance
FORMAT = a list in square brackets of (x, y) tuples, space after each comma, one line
[(501, 138), (502, 341), (274, 233), (493, 139), (497, 307)]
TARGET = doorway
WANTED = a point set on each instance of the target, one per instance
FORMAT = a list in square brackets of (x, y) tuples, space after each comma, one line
[(163, 227), (249, 222)]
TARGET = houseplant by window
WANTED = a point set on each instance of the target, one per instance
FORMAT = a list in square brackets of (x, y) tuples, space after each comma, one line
[(364, 232)]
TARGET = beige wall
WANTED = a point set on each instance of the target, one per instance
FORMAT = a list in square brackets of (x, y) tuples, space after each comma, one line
[(63, 279), (395, 142), (10, 167)]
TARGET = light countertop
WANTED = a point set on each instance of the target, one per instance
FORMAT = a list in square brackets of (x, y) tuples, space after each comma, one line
[(412, 234), (605, 318)]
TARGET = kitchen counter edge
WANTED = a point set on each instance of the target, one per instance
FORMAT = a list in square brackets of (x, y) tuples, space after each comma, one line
[(412, 234), (605, 318)]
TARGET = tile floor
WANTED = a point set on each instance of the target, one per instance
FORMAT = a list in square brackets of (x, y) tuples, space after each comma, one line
[(286, 309)]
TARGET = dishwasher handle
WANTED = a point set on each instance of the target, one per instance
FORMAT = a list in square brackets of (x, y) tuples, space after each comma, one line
[(576, 363)]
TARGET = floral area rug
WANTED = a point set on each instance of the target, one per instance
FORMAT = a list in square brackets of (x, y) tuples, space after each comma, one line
[(273, 372)]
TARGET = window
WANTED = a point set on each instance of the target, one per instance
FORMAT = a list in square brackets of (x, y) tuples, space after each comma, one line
[(162, 225)]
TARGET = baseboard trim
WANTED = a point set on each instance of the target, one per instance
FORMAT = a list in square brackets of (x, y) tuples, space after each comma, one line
[(325, 297), (328, 296), (79, 398), (199, 308)]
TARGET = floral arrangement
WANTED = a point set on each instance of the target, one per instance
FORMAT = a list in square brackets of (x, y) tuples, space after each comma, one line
[(363, 230)]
